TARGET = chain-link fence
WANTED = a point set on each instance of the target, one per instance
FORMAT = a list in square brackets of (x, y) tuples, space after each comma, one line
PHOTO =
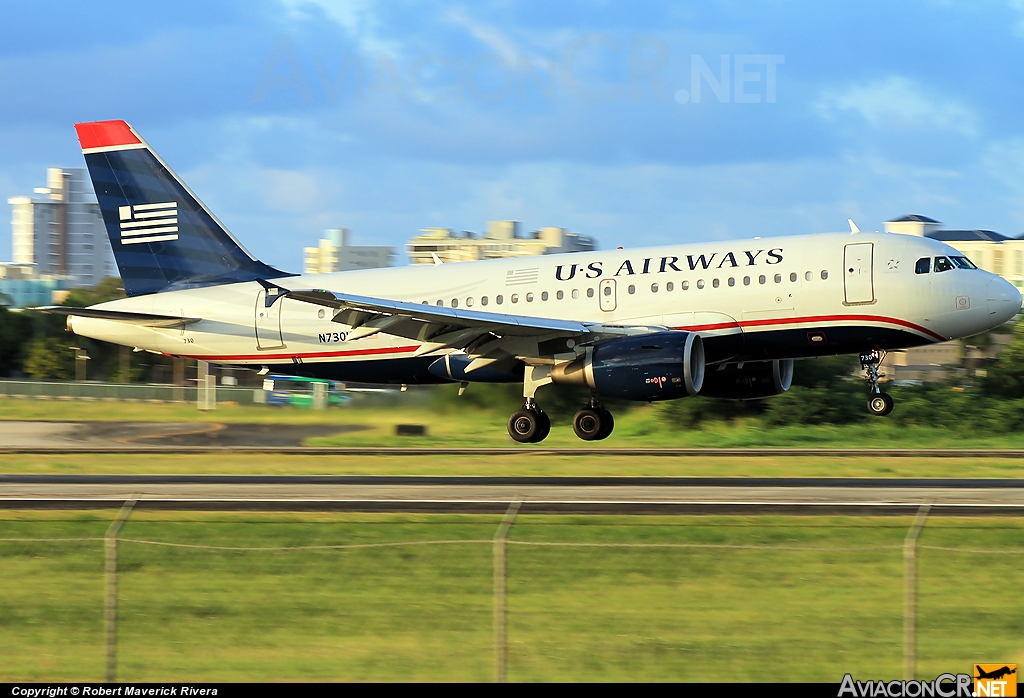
[(527, 598)]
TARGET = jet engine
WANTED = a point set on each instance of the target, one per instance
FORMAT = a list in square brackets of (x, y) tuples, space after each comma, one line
[(659, 366), (749, 381)]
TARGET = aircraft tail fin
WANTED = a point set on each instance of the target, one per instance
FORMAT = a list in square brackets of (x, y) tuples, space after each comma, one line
[(163, 236)]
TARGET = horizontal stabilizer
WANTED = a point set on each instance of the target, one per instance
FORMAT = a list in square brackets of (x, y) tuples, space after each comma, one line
[(143, 319)]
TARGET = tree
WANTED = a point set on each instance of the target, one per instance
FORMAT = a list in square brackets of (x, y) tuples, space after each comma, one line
[(50, 357), (15, 329), (1005, 377)]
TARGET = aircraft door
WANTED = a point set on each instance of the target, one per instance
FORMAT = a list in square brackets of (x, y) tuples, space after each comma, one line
[(606, 291), (268, 321), (858, 274)]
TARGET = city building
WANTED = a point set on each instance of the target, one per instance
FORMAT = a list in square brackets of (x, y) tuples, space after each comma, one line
[(988, 249), (60, 232), (992, 252), (502, 240), (334, 253), (21, 288)]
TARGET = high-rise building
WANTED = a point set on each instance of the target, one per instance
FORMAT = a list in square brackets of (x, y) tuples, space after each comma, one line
[(335, 254), (502, 240), (60, 231)]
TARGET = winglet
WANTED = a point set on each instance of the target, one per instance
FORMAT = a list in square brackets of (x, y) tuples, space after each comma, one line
[(853, 226)]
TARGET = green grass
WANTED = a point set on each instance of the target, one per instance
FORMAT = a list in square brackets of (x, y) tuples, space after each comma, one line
[(575, 613), (642, 426), (513, 464)]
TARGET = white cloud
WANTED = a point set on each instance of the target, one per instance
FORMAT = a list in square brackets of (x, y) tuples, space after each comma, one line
[(898, 102), (357, 17)]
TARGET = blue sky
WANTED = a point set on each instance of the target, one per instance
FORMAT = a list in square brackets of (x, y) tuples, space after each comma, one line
[(291, 116)]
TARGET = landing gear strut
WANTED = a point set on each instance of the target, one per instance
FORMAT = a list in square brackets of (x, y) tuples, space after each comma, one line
[(879, 403), (593, 422)]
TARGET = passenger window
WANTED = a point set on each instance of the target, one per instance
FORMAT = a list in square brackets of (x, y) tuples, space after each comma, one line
[(746, 280), (544, 296), (529, 298), (778, 278), (824, 274), (515, 298), (631, 289), (560, 295), (700, 283), (732, 281), (923, 266), (455, 302), (483, 300), (575, 293), (654, 288), (715, 283), (685, 286), (469, 302), (440, 303), (792, 276), (499, 300), (590, 293), (943, 264), (669, 286), (808, 276), (607, 290), (761, 279)]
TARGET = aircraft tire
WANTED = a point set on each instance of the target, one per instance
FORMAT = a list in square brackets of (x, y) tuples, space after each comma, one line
[(880, 404), (609, 424), (526, 425), (590, 424)]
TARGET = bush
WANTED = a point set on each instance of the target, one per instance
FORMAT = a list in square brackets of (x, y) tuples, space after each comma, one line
[(50, 357)]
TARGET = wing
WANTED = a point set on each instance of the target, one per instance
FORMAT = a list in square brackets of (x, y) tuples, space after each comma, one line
[(144, 319), (489, 337)]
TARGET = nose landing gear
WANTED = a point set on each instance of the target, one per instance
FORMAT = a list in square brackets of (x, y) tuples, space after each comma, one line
[(879, 403)]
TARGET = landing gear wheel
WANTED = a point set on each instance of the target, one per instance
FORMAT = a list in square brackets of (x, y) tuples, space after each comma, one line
[(880, 404), (609, 424), (528, 426), (591, 424)]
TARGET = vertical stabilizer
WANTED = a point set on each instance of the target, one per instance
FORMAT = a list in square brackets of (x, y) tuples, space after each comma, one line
[(163, 237)]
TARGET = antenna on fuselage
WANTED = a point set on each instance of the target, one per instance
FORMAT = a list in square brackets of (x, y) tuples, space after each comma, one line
[(853, 226)]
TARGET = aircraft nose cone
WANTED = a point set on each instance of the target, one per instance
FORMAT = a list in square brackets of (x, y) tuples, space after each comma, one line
[(1004, 301)]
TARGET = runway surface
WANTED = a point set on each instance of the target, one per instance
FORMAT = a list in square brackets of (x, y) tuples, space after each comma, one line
[(538, 495)]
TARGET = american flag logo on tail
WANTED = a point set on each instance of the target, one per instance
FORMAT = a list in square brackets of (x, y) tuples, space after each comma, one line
[(149, 223)]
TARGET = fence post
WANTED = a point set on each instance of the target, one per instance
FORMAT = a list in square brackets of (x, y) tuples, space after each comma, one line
[(910, 593), (206, 386), (500, 609), (110, 574)]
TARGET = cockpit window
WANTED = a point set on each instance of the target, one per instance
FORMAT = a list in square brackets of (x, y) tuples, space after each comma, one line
[(943, 264), (963, 263), (924, 265)]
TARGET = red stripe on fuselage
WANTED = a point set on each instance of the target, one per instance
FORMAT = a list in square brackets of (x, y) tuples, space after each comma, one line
[(105, 134), (313, 355), (812, 319)]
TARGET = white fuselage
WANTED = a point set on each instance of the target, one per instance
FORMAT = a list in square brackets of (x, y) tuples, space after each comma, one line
[(786, 291)]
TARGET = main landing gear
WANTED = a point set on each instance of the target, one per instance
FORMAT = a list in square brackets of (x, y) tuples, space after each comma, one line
[(879, 403), (593, 422), (531, 425)]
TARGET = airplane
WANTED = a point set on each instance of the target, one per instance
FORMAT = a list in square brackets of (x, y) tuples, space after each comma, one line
[(720, 319), (994, 674)]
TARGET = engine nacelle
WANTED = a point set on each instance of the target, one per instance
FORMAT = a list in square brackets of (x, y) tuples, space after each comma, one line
[(756, 379), (659, 366)]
